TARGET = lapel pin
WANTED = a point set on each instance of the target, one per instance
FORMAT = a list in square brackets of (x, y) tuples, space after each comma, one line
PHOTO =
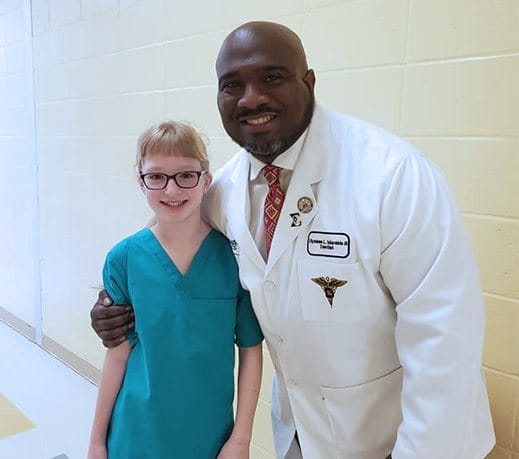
[(295, 219), (305, 204), (329, 286)]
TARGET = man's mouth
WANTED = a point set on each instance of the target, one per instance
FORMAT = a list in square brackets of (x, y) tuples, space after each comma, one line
[(261, 120)]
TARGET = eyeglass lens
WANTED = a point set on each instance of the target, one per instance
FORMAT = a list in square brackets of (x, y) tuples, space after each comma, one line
[(187, 179)]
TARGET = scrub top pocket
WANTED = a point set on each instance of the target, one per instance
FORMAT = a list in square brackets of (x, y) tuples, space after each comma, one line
[(211, 325)]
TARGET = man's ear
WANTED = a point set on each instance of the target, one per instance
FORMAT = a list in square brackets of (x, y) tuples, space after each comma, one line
[(309, 80)]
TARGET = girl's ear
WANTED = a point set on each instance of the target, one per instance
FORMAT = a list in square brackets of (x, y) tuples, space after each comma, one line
[(208, 180), (139, 180)]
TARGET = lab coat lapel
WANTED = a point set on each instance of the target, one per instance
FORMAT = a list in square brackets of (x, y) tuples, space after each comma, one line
[(238, 213), (311, 167)]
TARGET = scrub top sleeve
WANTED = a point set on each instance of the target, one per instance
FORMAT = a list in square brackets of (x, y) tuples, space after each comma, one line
[(115, 283), (248, 332), (114, 280)]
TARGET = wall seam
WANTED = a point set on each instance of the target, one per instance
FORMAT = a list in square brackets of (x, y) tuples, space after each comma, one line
[(404, 71), (32, 136)]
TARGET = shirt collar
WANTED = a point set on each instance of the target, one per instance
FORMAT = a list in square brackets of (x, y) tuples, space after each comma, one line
[(286, 160)]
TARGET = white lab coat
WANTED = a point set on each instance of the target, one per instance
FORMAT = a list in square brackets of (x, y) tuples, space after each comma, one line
[(393, 365)]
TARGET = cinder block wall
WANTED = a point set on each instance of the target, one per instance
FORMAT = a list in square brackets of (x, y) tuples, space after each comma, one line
[(442, 74)]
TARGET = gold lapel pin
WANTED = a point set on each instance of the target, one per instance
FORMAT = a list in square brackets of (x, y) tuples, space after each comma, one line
[(329, 286), (305, 204)]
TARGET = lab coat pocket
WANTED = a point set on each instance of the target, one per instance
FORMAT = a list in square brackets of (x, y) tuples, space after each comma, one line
[(364, 418), (332, 292), (211, 326)]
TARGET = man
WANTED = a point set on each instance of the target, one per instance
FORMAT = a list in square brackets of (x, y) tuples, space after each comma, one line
[(367, 292)]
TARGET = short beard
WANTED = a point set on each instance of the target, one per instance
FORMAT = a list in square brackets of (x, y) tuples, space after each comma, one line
[(266, 152)]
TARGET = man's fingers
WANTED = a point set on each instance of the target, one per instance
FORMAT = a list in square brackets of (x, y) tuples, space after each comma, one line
[(119, 323), (103, 313), (113, 342), (113, 333), (103, 299)]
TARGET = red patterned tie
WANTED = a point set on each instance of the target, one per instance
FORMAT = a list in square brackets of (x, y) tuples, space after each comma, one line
[(273, 203)]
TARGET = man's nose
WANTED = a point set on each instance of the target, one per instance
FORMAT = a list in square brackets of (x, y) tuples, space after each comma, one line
[(252, 97)]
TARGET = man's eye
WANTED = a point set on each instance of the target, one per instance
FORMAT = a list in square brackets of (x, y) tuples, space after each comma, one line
[(273, 78), (229, 85)]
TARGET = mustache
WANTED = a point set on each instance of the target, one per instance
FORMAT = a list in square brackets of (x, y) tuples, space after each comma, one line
[(260, 109)]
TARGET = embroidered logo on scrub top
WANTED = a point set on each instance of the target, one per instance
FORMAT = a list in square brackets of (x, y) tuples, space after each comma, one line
[(329, 286), (234, 247)]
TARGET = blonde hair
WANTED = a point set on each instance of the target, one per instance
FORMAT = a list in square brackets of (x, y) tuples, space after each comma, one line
[(172, 138)]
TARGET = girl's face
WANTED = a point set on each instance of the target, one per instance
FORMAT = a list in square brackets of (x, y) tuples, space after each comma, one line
[(174, 204)]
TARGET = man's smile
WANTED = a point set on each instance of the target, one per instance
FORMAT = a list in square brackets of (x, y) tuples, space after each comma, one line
[(259, 120)]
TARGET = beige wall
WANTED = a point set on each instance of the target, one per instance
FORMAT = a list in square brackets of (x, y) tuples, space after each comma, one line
[(444, 74)]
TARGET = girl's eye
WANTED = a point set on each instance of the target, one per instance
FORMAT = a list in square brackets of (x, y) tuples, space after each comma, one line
[(187, 175), (155, 177)]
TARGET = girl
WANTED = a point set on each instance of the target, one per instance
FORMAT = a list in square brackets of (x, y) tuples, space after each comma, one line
[(167, 391)]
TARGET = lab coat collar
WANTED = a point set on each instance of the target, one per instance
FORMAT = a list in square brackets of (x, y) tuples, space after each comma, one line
[(239, 214), (310, 168), (286, 160)]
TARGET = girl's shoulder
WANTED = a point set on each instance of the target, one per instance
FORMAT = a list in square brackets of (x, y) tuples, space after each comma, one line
[(220, 240), (120, 250)]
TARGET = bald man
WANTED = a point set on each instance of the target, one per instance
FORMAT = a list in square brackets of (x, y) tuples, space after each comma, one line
[(358, 264)]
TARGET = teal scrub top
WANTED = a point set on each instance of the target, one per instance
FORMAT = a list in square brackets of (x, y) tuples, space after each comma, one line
[(177, 394)]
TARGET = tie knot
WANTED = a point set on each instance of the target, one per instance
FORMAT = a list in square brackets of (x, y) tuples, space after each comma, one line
[(271, 174)]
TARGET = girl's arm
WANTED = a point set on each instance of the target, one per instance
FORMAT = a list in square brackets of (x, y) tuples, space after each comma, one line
[(249, 381), (111, 379)]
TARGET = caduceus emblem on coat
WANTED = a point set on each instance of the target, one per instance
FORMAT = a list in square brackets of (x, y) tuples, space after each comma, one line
[(329, 286)]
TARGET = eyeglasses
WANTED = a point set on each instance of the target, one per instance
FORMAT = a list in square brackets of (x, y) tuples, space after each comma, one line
[(159, 181)]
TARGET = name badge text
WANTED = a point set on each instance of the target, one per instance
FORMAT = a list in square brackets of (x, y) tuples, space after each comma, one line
[(322, 244)]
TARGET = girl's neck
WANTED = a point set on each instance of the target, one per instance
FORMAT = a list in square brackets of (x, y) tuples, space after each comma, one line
[(182, 235), (181, 241)]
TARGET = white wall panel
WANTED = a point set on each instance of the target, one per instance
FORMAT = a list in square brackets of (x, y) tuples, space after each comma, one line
[(64, 12)]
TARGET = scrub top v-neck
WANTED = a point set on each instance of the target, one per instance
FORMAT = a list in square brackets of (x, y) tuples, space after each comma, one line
[(177, 393)]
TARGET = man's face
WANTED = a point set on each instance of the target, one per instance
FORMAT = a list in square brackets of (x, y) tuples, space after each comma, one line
[(265, 94)]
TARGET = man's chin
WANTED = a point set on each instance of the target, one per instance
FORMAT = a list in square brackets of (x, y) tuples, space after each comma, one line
[(265, 151)]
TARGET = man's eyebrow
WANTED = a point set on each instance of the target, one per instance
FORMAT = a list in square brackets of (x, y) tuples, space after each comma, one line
[(267, 68), (282, 68), (226, 76)]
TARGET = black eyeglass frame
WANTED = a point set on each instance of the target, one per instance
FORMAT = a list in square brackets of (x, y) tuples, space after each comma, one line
[(172, 176)]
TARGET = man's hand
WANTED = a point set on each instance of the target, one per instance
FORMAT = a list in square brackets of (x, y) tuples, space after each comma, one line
[(111, 322)]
